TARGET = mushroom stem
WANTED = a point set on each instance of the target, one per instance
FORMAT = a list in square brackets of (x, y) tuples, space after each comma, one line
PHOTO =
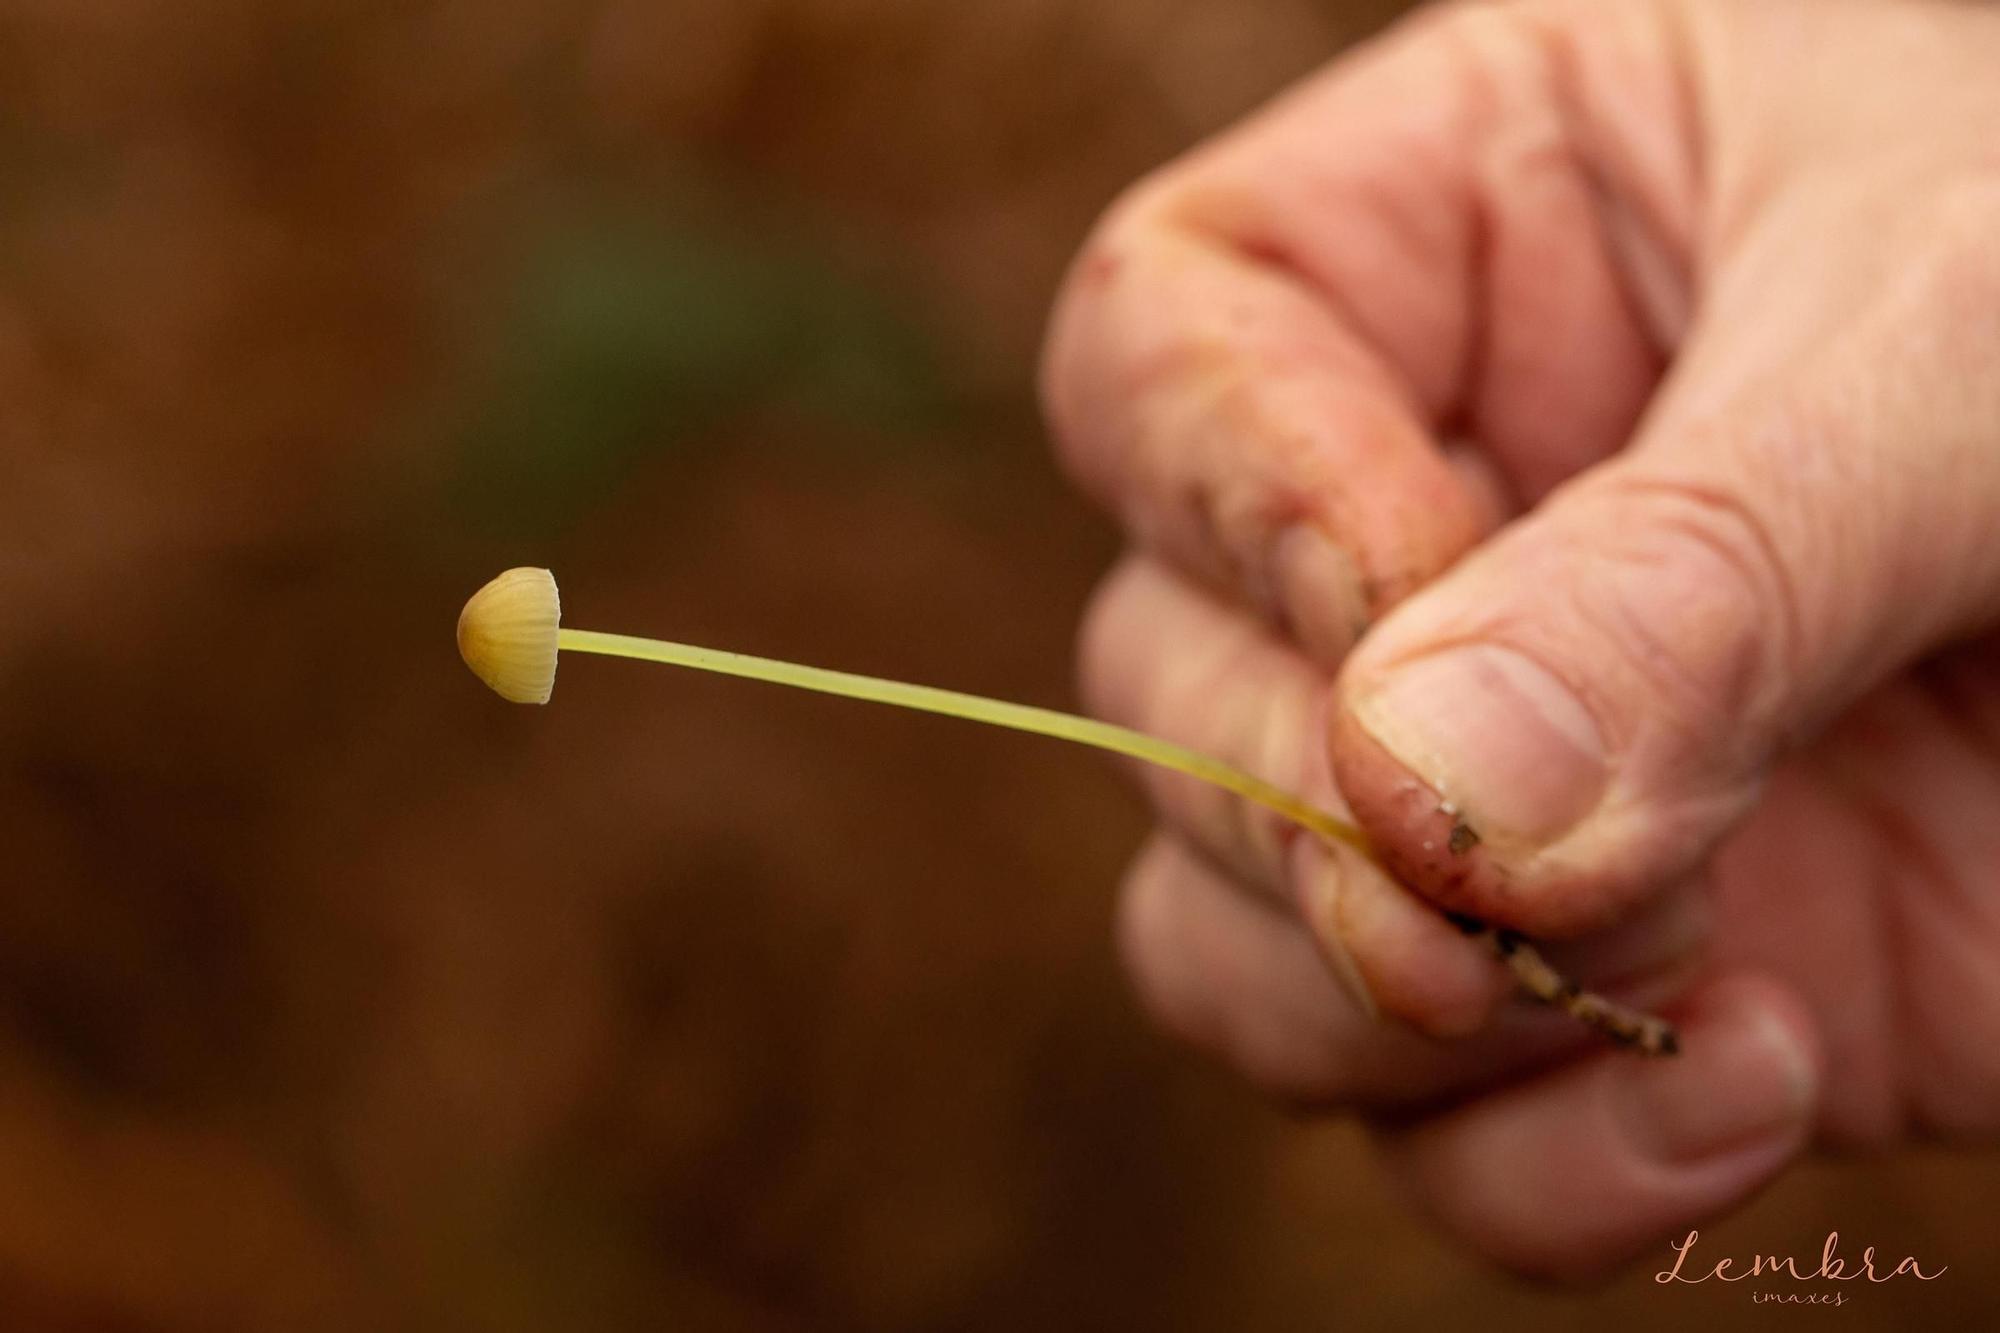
[(1625, 1026), (976, 708)]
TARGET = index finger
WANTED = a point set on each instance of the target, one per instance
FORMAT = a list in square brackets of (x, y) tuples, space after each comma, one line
[(1259, 354)]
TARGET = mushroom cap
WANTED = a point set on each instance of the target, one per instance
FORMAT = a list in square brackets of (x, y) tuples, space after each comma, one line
[(508, 631)]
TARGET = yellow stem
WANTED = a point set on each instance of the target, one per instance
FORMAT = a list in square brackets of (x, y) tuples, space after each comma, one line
[(976, 708)]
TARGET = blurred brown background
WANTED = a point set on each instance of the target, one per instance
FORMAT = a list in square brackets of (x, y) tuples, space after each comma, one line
[(335, 994)]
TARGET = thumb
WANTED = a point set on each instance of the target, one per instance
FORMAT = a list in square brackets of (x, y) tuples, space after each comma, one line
[(1576, 712)]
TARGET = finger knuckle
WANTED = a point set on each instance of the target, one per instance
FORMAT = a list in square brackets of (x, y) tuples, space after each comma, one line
[(1696, 596)]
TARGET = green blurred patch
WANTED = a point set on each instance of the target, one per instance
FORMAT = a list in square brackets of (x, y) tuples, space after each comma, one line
[(626, 335)]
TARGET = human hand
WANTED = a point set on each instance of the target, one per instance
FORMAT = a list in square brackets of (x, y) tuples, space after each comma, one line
[(1631, 375)]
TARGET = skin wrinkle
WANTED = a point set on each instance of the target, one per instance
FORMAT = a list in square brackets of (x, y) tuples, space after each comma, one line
[(1482, 109), (1500, 166), (1692, 115), (1611, 162), (1658, 194), (1866, 557), (1732, 202), (1729, 529), (1477, 352), (1631, 218)]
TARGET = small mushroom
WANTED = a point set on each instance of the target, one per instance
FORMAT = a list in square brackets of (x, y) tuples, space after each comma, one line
[(508, 634)]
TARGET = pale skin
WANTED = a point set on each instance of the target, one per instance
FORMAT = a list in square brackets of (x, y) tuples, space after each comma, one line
[(1647, 356)]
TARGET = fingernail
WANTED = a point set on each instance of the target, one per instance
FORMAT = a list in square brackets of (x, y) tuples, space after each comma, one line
[(1318, 588), (1316, 879), (1735, 1084), (1495, 734)]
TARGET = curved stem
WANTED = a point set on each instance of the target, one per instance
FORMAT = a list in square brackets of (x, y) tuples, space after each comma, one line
[(1626, 1026), (976, 708)]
